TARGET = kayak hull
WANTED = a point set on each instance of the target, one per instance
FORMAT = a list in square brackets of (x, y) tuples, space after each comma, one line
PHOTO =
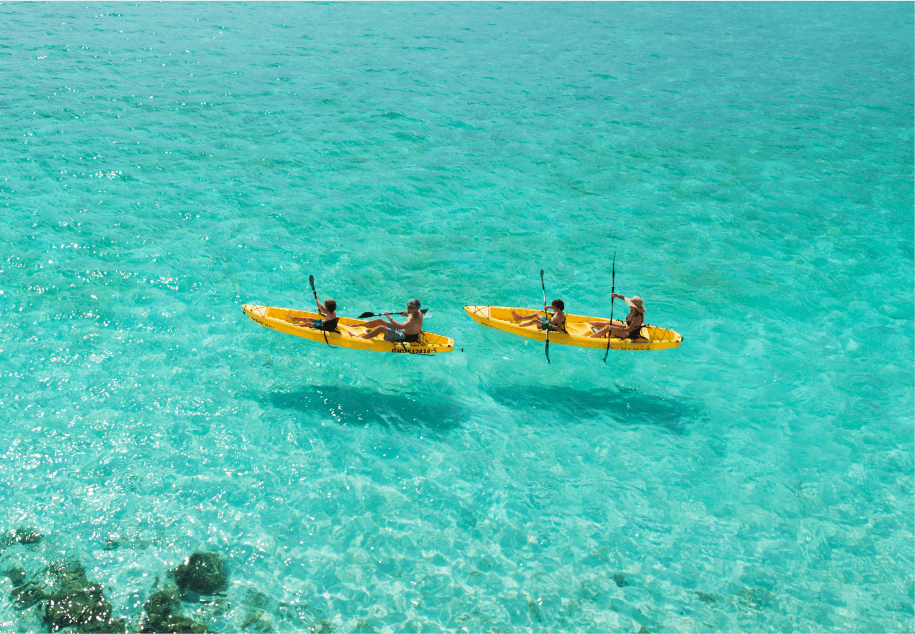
[(500, 318), (279, 319)]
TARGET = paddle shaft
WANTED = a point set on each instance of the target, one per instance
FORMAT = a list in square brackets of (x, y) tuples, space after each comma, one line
[(546, 348), (612, 291), (364, 315), (311, 280)]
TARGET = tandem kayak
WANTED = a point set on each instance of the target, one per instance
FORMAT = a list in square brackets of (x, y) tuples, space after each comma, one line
[(349, 335), (648, 338)]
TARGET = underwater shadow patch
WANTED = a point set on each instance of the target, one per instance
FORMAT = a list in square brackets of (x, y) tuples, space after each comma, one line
[(627, 406), (356, 406)]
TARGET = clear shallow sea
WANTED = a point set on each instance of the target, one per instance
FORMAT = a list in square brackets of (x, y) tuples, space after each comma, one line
[(751, 165)]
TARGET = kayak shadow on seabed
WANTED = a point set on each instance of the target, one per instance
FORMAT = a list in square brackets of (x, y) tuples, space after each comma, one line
[(626, 405), (356, 406)]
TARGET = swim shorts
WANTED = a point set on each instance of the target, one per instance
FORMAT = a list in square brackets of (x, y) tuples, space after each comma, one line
[(394, 334)]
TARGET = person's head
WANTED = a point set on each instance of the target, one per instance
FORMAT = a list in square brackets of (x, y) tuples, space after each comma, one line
[(637, 303), (558, 304), (330, 305), (413, 305)]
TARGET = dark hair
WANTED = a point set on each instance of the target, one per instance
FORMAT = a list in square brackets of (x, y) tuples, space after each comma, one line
[(559, 304), (330, 305)]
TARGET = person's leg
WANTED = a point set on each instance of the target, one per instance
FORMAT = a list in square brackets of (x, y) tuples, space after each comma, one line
[(380, 329), (531, 323), (306, 322), (603, 327), (518, 317), (374, 322)]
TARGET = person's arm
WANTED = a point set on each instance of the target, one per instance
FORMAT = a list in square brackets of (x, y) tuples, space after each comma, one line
[(321, 309), (397, 324)]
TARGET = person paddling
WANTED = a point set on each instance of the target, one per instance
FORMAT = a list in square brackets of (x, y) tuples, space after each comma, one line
[(556, 323), (407, 332), (634, 320), (328, 310)]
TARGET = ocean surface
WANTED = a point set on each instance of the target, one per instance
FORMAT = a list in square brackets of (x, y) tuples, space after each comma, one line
[(750, 165)]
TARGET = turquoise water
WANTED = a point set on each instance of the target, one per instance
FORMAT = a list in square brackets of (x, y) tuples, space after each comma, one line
[(750, 164)]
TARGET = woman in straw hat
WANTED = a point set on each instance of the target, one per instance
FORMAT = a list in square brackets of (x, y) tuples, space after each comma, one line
[(634, 320)]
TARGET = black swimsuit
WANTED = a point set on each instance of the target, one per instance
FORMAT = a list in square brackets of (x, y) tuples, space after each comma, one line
[(635, 334), (327, 326)]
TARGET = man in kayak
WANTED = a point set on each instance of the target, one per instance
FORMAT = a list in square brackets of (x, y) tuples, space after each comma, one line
[(407, 332), (329, 312), (557, 323), (634, 320)]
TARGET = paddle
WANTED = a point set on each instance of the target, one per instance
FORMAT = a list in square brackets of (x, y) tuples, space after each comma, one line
[(364, 315), (612, 291), (311, 280), (545, 329)]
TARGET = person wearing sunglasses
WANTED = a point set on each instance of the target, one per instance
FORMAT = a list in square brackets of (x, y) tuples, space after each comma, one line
[(407, 332)]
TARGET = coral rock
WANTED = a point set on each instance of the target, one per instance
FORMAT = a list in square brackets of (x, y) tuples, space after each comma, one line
[(163, 615), (203, 573), (17, 575), (20, 536), (28, 536), (26, 595), (82, 605)]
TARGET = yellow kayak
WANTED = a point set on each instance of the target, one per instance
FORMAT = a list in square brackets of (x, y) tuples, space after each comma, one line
[(500, 318), (349, 335)]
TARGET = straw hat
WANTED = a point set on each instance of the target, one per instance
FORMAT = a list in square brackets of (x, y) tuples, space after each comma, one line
[(636, 302)]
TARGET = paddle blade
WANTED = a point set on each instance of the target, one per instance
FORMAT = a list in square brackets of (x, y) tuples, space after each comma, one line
[(546, 349)]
